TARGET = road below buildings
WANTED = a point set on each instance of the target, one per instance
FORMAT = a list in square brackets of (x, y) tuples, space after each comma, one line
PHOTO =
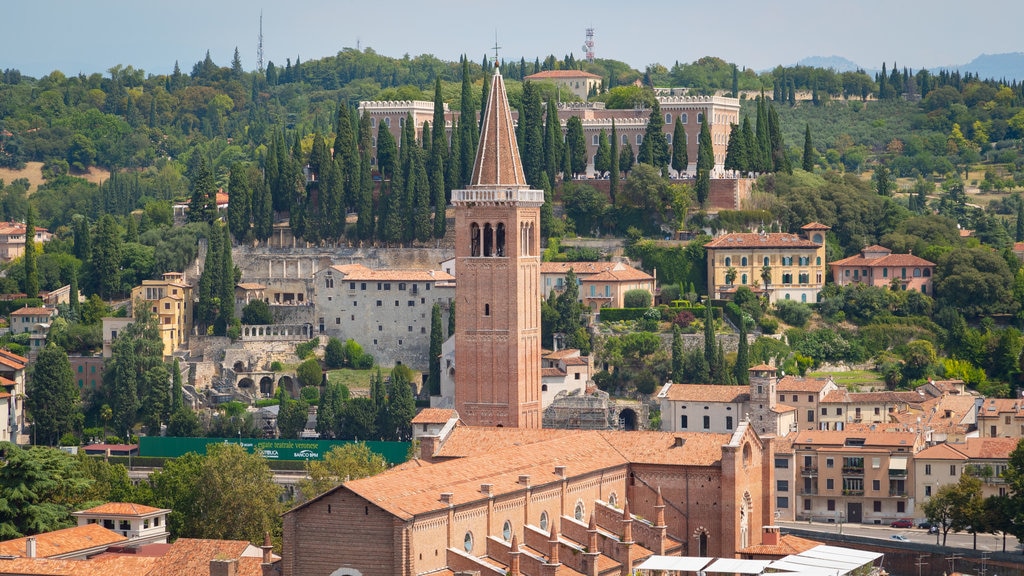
[(986, 542)]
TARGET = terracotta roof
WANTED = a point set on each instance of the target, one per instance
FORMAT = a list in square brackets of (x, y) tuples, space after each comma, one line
[(788, 544), (782, 409), (190, 556), (5, 394), (122, 509), (563, 353), (989, 448), (578, 268), (251, 286), (881, 397), (616, 275), (799, 384), (497, 160), (1018, 246), (552, 372), (940, 452), (358, 272), (747, 240), (815, 226), (467, 441), (575, 361), (761, 368), (993, 406), (892, 260), (30, 311), (561, 74), (66, 541), (222, 197), (707, 393), (12, 360), (876, 248), (434, 416), (408, 492), (871, 439), (784, 444), (123, 565)]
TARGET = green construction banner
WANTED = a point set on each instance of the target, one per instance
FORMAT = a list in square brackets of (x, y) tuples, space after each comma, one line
[(269, 448)]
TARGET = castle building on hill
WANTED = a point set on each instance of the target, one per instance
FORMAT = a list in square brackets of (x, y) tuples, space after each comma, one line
[(630, 124), (497, 260), (538, 502)]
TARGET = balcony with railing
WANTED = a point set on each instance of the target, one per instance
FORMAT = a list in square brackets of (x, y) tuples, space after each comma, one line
[(898, 493), (809, 471), (853, 470), (898, 474), (853, 492)]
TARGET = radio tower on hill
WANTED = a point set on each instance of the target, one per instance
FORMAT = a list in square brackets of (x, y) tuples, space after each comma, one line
[(588, 45), (259, 46)]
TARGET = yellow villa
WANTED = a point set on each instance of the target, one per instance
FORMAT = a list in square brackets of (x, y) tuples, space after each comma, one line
[(786, 266), (170, 300)]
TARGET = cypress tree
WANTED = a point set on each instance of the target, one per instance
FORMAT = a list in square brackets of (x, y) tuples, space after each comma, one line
[(1019, 236), (202, 188), (451, 319), (177, 401), (613, 164), (653, 149), (437, 192), (677, 354), (808, 163), (434, 355), (552, 141), (709, 340), (425, 139), (734, 153), (603, 159), (262, 207), (484, 93), (453, 171), (387, 152), (346, 154), (742, 357), (576, 146), (735, 82), (438, 138), (239, 202), (531, 136), (763, 150), (680, 156), (780, 160), (468, 125), (422, 229), (31, 268), (73, 291), (748, 160), (106, 258), (227, 280), (626, 158), (705, 149), (364, 207), (272, 171)]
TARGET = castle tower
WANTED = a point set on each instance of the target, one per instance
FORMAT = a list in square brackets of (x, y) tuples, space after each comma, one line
[(763, 395), (497, 259)]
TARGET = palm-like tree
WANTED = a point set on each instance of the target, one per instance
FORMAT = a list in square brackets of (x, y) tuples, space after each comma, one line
[(766, 275), (730, 275)]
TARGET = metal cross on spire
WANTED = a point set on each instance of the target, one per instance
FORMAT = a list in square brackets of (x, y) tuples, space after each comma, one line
[(496, 47)]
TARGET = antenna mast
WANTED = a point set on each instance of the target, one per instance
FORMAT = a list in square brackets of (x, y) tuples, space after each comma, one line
[(588, 45), (259, 46)]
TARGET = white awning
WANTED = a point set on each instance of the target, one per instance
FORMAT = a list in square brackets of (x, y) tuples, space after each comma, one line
[(898, 463), (737, 566), (675, 563)]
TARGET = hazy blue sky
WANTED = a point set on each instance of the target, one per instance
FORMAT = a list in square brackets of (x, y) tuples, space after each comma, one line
[(91, 36)]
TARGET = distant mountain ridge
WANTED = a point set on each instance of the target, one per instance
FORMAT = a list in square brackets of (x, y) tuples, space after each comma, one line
[(1008, 66)]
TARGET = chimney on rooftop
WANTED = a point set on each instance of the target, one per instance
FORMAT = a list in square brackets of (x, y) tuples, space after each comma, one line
[(486, 489), (30, 547), (678, 442), (267, 549), (560, 471), (447, 497), (223, 566), (771, 536), (524, 479)]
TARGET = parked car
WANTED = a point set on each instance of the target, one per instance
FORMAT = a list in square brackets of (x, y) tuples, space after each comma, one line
[(902, 523), (925, 525), (900, 537)]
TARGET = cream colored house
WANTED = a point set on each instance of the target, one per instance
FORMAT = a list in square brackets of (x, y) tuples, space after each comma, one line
[(942, 464), (170, 301), (793, 265), (601, 284), (1001, 418)]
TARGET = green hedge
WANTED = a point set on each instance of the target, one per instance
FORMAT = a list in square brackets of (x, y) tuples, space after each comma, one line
[(620, 314)]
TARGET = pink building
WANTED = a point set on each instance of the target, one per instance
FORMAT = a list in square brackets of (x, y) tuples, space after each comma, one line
[(878, 266)]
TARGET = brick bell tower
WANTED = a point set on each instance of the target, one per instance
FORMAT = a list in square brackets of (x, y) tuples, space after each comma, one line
[(497, 263)]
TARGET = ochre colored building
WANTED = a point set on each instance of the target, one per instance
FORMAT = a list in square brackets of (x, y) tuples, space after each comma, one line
[(497, 262), (529, 502), (786, 266), (170, 302)]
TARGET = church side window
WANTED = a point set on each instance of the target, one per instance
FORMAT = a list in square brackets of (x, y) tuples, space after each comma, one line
[(499, 239), (474, 235), (488, 240)]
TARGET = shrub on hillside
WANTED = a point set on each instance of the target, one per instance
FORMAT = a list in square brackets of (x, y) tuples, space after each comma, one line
[(793, 313), (637, 298)]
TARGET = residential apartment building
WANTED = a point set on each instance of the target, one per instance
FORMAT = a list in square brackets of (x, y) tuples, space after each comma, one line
[(87, 372), (36, 322), (715, 408), (792, 264), (859, 477), (12, 397), (839, 407), (878, 266), (601, 284), (1000, 417), (170, 301), (386, 311), (12, 240), (942, 464), (581, 84), (563, 371), (806, 395)]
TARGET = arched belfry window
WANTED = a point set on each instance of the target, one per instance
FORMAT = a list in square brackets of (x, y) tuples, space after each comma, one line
[(488, 240), (499, 239), (474, 235)]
